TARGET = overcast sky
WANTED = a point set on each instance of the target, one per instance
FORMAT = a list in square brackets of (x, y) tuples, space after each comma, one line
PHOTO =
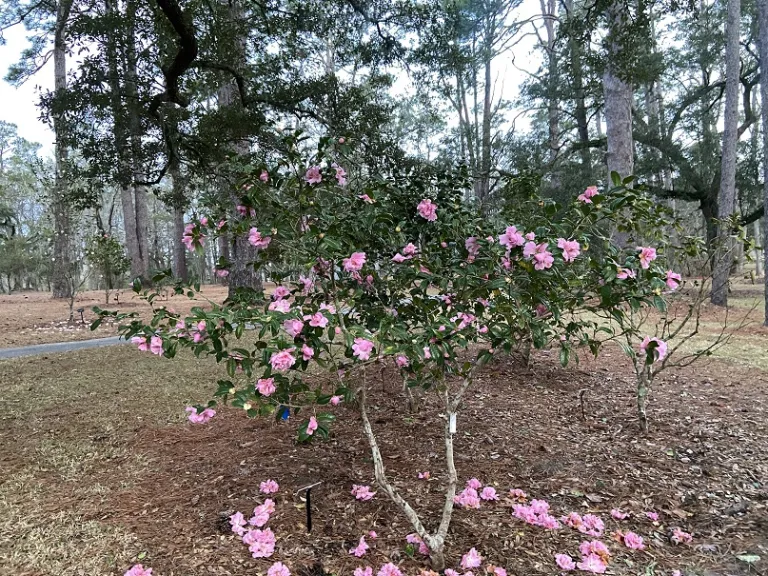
[(19, 105)]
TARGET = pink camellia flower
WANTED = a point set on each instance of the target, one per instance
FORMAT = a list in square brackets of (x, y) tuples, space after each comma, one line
[(647, 255), (652, 516), (355, 262), (260, 517), (360, 571), (467, 498), (365, 198), (673, 280), (307, 352), (341, 175), (266, 386), (451, 572), (389, 569), (529, 249), (222, 272), (473, 247), (543, 258), (237, 521), (680, 537), (373, 535), (278, 569), (401, 361), (474, 483), (280, 306), (399, 258), (427, 353), (261, 543), (625, 273), (362, 348), (592, 525), (424, 475), (257, 240), (483, 330), (313, 175), (311, 426), (570, 248), (573, 520), (335, 400), (427, 210), (269, 487), (594, 547), (618, 514), (517, 494), (444, 245), (471, 559), (588, 194), (280, 293), (565, 562), (307, 284), (415, 539), (141, 342), (677, 573), (362, 492), (530, 236), (633, 541), (317, 320), (264, 176), (489, 493), (592, 563), (409, 249), (511, 238), (293, 327), (540, 506), (283, 360), (138, 570), (203, 418), (221, 224), (361, 548), (659, 353), (496, 571)]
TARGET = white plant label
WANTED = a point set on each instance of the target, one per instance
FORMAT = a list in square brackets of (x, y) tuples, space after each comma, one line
[(452, 422)]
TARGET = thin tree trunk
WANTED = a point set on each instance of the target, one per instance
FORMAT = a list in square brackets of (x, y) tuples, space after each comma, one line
[(485, 169), (758, 260), (762, 10), (727, 194), (179, 250), (62, 258), (582, 126), (643, 389), (618, 99)]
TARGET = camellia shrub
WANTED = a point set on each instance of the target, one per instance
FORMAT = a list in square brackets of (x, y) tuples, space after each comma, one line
[(397, 268)]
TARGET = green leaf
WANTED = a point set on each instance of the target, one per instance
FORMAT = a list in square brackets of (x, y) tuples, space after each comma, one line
[(565, 355)]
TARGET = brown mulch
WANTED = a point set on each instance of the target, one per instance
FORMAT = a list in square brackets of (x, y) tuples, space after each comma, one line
[(703, 467)]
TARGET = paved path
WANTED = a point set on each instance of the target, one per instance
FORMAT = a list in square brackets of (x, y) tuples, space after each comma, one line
[(58, 347)]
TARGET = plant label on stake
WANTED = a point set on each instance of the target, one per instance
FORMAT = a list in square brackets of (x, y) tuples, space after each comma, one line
[(308, 503), (452, 422)]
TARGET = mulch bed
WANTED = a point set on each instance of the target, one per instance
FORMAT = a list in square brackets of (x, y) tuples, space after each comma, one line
[(703, 467)]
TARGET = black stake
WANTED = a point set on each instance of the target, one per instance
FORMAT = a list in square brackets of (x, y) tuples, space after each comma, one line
[(308, 503)]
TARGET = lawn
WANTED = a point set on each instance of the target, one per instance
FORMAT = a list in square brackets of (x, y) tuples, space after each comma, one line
[(100, 468)]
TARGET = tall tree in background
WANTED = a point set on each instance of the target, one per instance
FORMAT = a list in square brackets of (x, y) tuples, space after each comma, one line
[(762, 10), (727, 195), (618, 92), (62, 260)]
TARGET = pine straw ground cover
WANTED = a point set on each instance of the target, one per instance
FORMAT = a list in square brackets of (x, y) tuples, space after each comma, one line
[(99, 468)]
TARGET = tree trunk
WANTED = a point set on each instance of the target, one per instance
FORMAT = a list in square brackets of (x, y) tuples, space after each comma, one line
[(618, 99), (180, 270), (485, 168), (727, 194), (758, 260), (549, 12), (140, 260), (762, 10), (580, 113), (242, 273), (643, 388), (62, 258)]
